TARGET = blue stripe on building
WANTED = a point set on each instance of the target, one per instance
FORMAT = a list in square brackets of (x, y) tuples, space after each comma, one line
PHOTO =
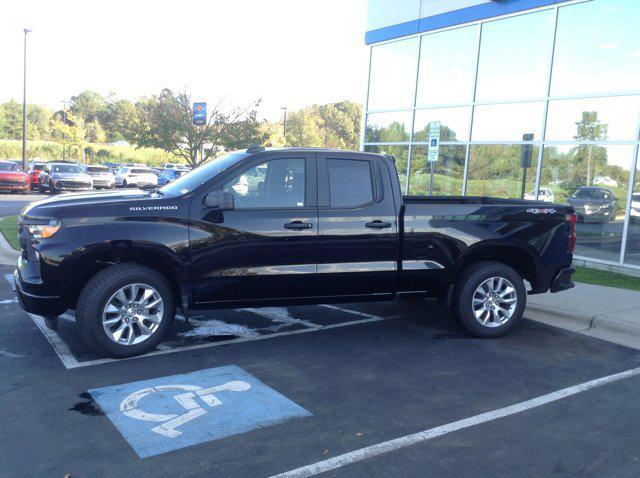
[(455, 17)]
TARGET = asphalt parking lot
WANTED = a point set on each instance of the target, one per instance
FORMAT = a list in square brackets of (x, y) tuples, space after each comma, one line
[(383, 389)]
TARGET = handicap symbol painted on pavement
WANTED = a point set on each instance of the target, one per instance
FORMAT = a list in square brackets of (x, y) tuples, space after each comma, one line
[(168, 413)]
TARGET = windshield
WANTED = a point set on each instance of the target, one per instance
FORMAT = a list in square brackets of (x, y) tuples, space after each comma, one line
[(38, 167), (7, 167), (97, 169), (202, 174), (66, 168), (589, 193), (141, 171)]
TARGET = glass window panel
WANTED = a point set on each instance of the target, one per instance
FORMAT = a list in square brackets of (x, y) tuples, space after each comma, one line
[(388, 127), (597, 48), (632, 252), (614, 119), (447, 63), (447, 173), (594, 180), (507, 122), (349, 182), (276, 183), (514, 57), (497, 170), (401, 156), (454, 123), (393, 75)]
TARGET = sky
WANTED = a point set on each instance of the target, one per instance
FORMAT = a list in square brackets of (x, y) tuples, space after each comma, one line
[(290, 53)]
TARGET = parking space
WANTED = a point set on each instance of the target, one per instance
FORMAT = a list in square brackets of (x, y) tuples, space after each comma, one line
[(378, 389)]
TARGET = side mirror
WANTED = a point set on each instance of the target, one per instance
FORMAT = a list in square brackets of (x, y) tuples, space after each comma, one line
[(220, 200)]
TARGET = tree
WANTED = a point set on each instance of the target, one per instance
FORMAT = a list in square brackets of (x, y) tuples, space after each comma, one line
[(95, 133), (12, 114), (590, 129), (334, 125), (117, 118), (165, 121), (70, 133), (88, 104)]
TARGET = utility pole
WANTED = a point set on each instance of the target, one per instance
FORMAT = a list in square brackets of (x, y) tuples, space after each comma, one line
[(24, 103), (284, 124)]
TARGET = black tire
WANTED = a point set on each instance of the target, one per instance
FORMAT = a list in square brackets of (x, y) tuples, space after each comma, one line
[(124, 183), (52, 190), (97, 292), (469, 281), (41, 188)]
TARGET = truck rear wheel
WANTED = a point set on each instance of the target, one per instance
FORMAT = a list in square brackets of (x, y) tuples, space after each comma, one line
[(489, 299), (125, 310)]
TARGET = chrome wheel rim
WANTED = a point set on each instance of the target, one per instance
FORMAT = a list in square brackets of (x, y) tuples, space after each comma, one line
[(494, 302), (132, 314)]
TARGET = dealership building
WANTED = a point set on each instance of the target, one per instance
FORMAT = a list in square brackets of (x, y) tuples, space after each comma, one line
[(515, 99)]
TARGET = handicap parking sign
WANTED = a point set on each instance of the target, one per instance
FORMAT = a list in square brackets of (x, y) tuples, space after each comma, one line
[(168, 413)]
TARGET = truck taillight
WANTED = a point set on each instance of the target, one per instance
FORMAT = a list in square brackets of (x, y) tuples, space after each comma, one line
[(572, 219)]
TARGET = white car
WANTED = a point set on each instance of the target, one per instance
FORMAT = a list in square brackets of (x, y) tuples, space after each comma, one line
[(102, 176), (544, 194), (138, 177), (605, 181)]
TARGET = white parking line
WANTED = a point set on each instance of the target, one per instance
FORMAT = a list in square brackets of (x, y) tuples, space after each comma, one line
[(70, 361), (59, 346), (419, 437)]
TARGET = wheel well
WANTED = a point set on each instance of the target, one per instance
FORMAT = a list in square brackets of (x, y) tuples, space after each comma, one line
[(518, 259), (92, 265)]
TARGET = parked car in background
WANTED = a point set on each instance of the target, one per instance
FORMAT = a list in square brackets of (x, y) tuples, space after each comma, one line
[(102, 176), (544, 194), (605, 181), (58, 177), (169, 175), (135, 176), (13, 178), (113, 167), (34, 174), (594, 204), (175, 166)]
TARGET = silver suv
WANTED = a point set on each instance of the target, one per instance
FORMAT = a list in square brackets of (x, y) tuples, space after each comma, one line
[(58, 177)]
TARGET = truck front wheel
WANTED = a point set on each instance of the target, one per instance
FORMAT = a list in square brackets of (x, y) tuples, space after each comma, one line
[(125, 310), (489, 299)]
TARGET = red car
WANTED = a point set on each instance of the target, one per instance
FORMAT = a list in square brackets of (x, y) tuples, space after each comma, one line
[(13, 178), (34, 174)]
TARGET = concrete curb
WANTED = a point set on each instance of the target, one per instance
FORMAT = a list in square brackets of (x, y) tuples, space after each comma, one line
[(595, 312), (8, 256)]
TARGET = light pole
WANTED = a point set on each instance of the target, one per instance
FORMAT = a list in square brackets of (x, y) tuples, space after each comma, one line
[(284, 124), (24, 103)]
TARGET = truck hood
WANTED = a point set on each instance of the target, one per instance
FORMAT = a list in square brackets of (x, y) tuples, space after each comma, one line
[(130, 202)]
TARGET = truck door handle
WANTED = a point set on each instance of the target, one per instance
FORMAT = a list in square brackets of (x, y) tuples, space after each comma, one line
[(298, 225), (378, 224)]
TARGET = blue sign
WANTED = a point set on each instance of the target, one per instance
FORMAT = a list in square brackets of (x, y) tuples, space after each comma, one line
[(200, 113), (168, 413)]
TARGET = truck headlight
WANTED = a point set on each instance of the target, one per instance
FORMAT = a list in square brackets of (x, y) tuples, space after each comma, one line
[(44, 231)]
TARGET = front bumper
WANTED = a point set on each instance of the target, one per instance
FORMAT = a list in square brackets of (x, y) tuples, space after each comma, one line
[(68, 186), (31, 297), (562, 280), (14, 187)]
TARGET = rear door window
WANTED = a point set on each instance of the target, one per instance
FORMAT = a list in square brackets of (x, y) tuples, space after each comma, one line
[(350, 182)]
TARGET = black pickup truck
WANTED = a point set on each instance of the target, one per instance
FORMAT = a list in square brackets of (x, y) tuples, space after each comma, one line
[(283, 226)]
